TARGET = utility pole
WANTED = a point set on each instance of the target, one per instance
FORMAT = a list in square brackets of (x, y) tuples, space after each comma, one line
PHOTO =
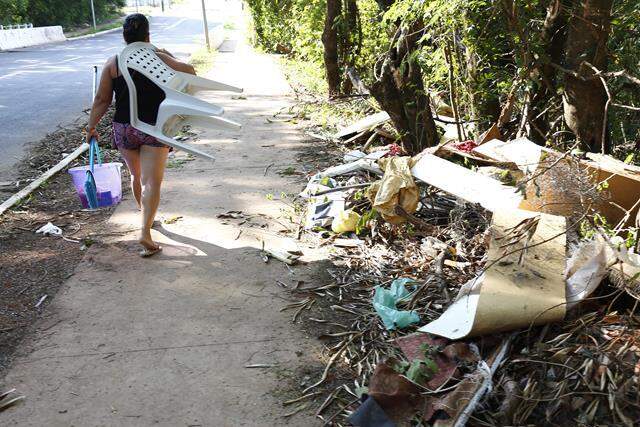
[(206, 27), (93, 15)]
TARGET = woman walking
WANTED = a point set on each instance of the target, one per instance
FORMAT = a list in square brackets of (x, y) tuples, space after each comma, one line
[(144, 156)]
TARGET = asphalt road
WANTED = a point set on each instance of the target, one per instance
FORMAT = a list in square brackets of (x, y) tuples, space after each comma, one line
[(50, 85)]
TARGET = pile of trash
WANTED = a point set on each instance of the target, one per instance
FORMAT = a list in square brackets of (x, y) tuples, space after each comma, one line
[(504, 293)]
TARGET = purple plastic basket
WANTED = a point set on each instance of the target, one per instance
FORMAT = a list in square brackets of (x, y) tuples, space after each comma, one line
[(108, 183)]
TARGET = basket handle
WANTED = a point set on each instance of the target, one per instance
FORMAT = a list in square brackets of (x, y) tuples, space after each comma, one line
[(94, 150)]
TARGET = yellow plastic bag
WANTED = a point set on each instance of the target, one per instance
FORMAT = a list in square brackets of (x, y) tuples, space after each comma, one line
[(345, 221)]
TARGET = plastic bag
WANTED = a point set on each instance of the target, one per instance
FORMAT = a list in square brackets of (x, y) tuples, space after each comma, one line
[(345, 221), (397, 187), (385, 301)]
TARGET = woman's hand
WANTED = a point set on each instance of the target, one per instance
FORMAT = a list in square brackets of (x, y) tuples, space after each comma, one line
[(175, 64), (165, 51), (92, 133)]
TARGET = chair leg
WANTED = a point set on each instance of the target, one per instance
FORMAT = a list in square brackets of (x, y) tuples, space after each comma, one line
[(187, 101), (206, 84), (169, 109)]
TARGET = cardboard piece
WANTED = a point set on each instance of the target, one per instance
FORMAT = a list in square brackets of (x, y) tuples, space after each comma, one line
[(623, 182), (565, 186), (520, 287), (560, 186)]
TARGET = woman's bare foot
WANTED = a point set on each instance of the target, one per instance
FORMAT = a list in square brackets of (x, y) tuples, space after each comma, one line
[(149, 247)]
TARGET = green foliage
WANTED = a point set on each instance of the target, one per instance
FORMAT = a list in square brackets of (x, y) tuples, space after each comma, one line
[(419, 370), (489, 47), (365, 219), (13, 11), (272, 24), (56, 12), (295, 27), (624, 48)]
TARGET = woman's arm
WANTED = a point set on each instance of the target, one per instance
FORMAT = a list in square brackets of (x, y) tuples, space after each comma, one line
[(102, 100), (165, 51), (175, 64)]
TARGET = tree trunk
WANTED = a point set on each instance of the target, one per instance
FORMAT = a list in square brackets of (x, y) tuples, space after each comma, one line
[(554, 34), (330, 42), (401, 93), (585, 97), (350, 36)]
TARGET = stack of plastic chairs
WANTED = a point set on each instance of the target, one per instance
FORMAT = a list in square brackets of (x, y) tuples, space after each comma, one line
[(142, 58)]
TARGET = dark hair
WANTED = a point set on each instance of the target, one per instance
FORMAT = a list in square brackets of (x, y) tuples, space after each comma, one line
[(135, 28)]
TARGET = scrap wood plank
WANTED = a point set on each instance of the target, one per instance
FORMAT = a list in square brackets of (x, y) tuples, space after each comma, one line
[(465, 183), (367, 123), (521, 152), (7, 204)]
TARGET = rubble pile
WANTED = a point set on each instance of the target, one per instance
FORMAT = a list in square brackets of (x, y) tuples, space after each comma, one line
[(501, 292)]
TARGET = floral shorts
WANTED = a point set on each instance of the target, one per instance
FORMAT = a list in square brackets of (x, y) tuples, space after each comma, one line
[(127, 137)]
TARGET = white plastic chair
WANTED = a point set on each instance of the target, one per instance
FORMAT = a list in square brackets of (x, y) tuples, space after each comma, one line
[(142, 57)]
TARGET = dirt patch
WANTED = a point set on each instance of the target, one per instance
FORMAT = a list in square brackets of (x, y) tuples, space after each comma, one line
[(32, 266)]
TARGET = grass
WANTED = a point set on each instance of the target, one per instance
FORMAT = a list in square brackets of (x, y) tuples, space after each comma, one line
[(305, 76), (111, 24), (307, 80), (202, 60)]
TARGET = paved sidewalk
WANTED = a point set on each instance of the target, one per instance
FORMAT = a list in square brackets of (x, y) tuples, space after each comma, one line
[(165, 341)]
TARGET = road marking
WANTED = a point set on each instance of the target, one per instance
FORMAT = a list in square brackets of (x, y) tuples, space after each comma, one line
[(172, 26)]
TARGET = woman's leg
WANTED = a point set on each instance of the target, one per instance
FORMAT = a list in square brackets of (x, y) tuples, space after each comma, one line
[(132, 159), (152, 162)]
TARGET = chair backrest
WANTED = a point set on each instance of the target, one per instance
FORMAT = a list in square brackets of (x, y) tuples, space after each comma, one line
[(142, 57)]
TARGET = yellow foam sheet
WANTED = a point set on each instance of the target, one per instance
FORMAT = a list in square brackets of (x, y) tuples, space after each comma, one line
[(512, 295)]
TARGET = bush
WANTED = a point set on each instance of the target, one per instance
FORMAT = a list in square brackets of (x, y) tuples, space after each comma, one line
[(56, 12)]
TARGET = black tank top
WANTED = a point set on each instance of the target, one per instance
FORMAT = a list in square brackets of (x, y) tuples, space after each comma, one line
[(150, 96)]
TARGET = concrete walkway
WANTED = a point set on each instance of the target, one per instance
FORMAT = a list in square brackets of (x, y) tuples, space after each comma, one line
[(165, 341)]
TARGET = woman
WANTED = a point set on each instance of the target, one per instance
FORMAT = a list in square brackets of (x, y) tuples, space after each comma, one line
[(144, 155)]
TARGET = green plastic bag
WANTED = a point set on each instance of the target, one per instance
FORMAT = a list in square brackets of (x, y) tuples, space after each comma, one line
[(385, 301)]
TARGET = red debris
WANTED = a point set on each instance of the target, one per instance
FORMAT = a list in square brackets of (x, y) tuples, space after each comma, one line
[(466, 146), (395, 150)]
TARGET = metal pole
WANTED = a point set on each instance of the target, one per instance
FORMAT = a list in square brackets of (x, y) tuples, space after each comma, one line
[(206, 27), (95, 82), (93, 15)]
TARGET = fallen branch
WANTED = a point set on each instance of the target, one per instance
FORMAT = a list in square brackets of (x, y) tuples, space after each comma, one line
[(482, 386), (20, 195), (331, 362), (345, 187)]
